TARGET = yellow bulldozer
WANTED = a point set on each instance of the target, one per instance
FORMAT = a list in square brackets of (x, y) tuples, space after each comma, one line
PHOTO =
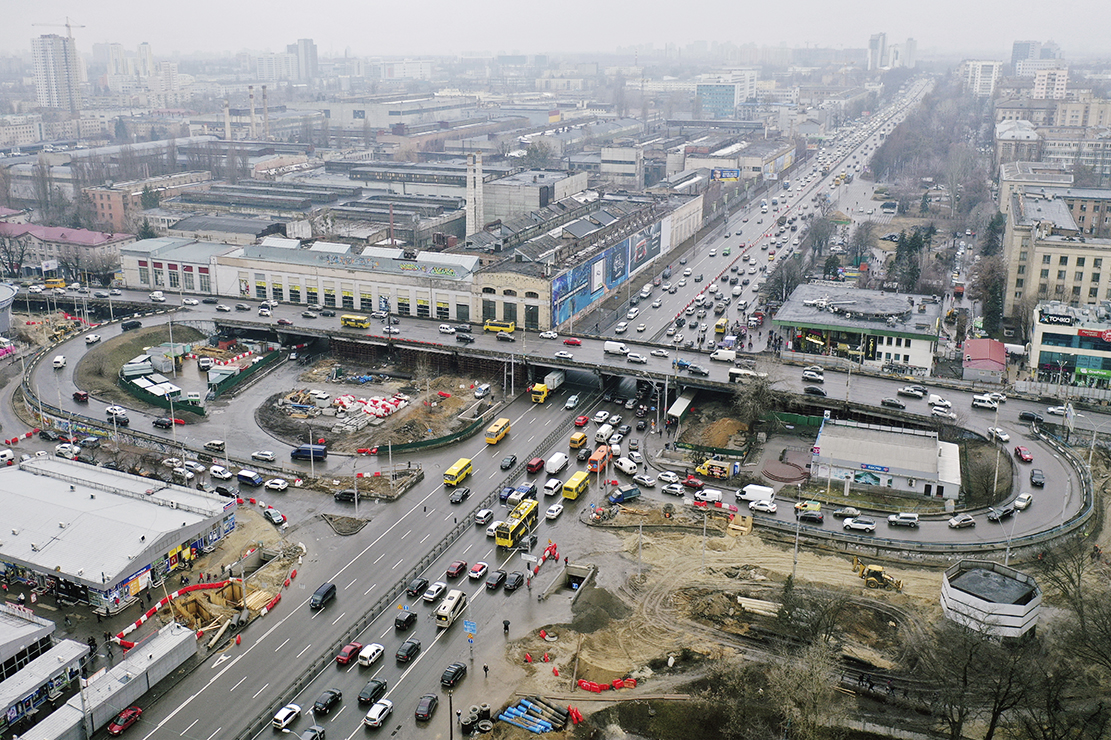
[(874, 576)]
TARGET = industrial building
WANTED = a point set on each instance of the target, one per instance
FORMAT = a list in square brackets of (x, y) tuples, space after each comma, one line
[(98, 536)]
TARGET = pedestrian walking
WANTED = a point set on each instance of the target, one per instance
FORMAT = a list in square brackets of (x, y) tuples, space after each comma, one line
[(505, 625), (486, 670)]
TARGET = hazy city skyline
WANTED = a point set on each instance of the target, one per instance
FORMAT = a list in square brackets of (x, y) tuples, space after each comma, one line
[(946, 27)]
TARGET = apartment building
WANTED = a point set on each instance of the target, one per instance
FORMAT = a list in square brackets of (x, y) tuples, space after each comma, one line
[(116, 203), (980, 77)]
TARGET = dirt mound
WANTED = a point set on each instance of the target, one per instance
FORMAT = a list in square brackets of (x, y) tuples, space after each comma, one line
[(720, 432), (594, 609)]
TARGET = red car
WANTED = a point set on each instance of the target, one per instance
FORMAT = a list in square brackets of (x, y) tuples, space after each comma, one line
[(349, 652), (456, 569), (1023, 454), (124, 719), (582, 421), (285, 322), (571, 341), (692, 482)]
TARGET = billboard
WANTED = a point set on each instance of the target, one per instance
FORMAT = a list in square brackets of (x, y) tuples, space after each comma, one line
[(578, 288)]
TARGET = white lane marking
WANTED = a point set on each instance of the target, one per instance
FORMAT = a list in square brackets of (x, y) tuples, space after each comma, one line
[(369, 589), (214, 734), (282, 645), (307, 646), (260, 691), (233, 688), (338, 618), (399, 562), (425, 538), (191, 725), (351, 584)]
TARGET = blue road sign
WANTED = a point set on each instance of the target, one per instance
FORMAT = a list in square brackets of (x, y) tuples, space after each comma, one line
[(469, 626), (470, 640)]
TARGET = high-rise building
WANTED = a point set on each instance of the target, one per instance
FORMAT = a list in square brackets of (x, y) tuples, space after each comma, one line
[(1051, 83), (910, 53), (877, 51), (57, 72), (144, 60), (1023, 50), (305, 51), (980, 77)]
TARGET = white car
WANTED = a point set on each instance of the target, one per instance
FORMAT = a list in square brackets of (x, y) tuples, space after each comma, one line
[(554, 511), (636, 457), (66, 449), (940, 403), (659, 353), (172, 462), (657, 303), (493, 528), (286, 716), (115, 411), (713, 253), (762, 506), (667, 477), (435, 591), (943, 413), (264, 311), (688, 272), (371, 653), (632, 314), (390, 330), (682, 282), (635, 358), (195, 466), (219, 472), (601, 417), (1023, 501), (564, 355), (549, 335), (642, 327), (621, 328), (195, 302), (1056, 410), (223, 308), (645, 480), (378, 713), (277, 484), (92, 339), (997, 433), (675, 489), (670, 332), (445, 329), (572, 402), (183, 473), (263, 455)]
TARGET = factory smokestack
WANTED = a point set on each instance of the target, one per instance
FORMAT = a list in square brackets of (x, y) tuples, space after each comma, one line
[(265, 114), (251, 91), (227, 120)]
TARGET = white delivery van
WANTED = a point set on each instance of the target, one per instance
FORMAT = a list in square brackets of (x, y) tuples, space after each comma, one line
[(625, 465), (724, 355), (984, 402), (709, 495), (59, 362), (6, 456), (737, 290), (603, 434), (157, 296), (482, 391), (556, 463), (936, 400), (753, 492), (615, 348), (700, 299)]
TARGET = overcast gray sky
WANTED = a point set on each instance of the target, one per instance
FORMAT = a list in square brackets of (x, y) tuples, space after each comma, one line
[(416, 27)]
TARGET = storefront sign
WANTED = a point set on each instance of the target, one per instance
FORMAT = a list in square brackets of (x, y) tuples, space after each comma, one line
[(875, 468), (1055, 319), (1105, 335), (1093, 372)]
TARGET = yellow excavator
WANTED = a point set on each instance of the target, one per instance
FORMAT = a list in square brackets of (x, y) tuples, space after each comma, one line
[(874, 576)]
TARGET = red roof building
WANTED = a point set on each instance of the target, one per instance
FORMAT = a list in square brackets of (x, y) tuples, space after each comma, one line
[(985, 360)]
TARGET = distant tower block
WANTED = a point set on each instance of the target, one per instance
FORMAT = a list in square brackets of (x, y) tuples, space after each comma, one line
[(475, 208)]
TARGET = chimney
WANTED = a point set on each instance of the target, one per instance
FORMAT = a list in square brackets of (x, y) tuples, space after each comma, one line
[(265, 114), (251, 91), (227, 120)]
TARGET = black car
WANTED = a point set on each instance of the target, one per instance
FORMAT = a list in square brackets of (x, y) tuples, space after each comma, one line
[(698, 278), (504, 336), (404, 620), (163, 422), (514, 580), (698, 370), (998, 515), (607, 397), (210, 301), (495, 579), (508, 462), (327, 701), (426, 707), (373, 691), (892, 403), (734, 268), (453, 674), (811, 517), (813, 390), (49, 436), (465, 338), (225, 491), (417, 586), (459, 495), (242, 307), (1030, 416), (327, 312), (463, 328), (1037, 478), (408, 650), (680, 322), (584, 454), (725, 278), (346, 495), (642, 424)]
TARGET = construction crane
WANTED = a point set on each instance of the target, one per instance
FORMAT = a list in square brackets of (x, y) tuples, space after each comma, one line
[(69, 26)]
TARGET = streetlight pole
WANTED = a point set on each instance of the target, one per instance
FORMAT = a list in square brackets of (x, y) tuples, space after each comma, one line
[(450, 719), (995, 480)]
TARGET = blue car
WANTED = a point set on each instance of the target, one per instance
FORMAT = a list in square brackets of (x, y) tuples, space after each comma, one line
[(505, 493), (682, 364)]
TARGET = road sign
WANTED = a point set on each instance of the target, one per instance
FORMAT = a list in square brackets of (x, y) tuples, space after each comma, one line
[(469, 626), (528, 558), (470, 640)]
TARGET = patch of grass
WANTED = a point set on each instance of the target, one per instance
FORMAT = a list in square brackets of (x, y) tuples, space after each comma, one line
[(98, 368)]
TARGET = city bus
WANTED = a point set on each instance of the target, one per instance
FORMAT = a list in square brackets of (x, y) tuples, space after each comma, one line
[(599, 459), (55, 283), (495, 325), (496, 432), (721, 326), (454, 475), (450, 608), (355, 322), (576, 485), (520, 521)]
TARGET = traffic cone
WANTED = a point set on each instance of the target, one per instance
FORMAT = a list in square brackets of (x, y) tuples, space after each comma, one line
[(528, 658)]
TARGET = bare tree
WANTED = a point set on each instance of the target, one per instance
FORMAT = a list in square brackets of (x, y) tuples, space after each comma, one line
[(753, 398), (804, 688), (13, 251), (736, 689)]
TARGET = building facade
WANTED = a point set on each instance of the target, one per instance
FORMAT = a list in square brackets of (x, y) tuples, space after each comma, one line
[(980, 77), (116, 204), (1071, 346), (58, 72), (36, 249)]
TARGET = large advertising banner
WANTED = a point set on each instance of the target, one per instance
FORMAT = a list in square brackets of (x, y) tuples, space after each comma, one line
[(617, 264), (645, 246)]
